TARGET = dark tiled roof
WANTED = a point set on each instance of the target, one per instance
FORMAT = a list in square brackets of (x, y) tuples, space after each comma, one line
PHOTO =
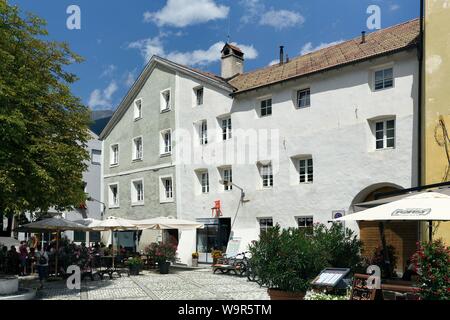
[(389, 40)]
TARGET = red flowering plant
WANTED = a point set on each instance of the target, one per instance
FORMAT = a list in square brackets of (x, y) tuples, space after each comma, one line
[(432, 264), (162, 251)]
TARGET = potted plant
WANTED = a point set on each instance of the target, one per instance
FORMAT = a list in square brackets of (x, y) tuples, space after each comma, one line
[(432, 264), (195, 259), (135, 265), (164, 254), (216, 255), (286, 261)]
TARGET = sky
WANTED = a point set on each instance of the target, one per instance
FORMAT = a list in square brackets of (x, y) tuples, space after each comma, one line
[(117, 37)]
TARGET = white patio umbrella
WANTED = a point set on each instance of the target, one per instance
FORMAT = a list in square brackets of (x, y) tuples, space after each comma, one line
[(427, 206), (163, 223), (112, 224)]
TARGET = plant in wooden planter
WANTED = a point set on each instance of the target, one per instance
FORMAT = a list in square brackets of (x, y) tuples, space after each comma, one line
[(163, 254), (135, 265), (286, 261)]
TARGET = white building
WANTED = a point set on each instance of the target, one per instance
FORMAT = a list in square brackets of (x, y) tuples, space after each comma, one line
[(302, 139)]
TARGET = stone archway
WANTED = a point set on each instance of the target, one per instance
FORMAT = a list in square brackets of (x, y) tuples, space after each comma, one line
[(402, 235)]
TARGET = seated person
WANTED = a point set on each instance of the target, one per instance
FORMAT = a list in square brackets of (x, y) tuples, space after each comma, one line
[(409, 271)]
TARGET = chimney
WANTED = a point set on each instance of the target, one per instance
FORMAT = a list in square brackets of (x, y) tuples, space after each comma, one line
[(363, 37), (281, 55), (287, 58), (232, 61)]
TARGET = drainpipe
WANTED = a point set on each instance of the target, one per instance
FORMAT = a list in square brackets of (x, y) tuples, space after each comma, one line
[(420, 52)]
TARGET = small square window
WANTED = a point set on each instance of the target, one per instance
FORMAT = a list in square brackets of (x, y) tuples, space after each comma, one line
[(96, 156), (114, 160), (199, 96), (305, 169), (265, 224), (266, 107), (165, 100), (385, 134), (226, 128), (227, 176), (166, 142), (266, 176), (203, 177), (138, 109), (304, 98), (113, 195), (137, 148), (137, 192), (384, 79)]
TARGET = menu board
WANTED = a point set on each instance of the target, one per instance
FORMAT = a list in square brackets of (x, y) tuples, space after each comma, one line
[(330, 277)]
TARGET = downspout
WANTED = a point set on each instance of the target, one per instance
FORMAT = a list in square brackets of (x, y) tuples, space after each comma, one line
[(420, 53)]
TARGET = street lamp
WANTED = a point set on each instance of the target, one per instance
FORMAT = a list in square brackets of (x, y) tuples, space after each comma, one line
[(229, 183), (102, 203)]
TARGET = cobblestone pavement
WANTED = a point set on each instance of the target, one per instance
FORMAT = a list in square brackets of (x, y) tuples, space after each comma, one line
[(200, 284)]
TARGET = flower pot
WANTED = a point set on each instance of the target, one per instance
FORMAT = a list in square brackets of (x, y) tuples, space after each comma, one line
[(164, 267), (134, 270), (195, 262), (276, 294)]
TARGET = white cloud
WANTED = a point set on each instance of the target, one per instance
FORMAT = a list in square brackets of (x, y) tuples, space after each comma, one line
[(280, 19), (199, 57), (308, 47), (103, 98), (108, 71), (256, 12), (182, 13)]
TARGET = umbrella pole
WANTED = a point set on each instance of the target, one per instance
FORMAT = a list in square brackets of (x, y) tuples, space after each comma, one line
[(385, 253), (57, 253), (430, 231), (112, 247)]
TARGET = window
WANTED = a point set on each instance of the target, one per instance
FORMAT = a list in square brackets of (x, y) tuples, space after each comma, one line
[(113, 195), (204, 180), (265, 224), (79, 236), (138, 109), (385, 134), (227, 175), (226, 128), (199, 96), (306, 223), (305, 169), (384, 79), (96, 156), (303, 98), (266, 107), (165, 100), (137, 148), (168, 188), (137, 192), (203, 132), (267, 176), (114, 155), (166, 143), (95, 236)]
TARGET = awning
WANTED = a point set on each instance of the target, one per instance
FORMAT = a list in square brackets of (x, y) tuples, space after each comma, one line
[(425, 206)]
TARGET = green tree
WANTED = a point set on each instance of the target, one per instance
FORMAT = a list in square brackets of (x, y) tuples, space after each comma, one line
[(43, 126)]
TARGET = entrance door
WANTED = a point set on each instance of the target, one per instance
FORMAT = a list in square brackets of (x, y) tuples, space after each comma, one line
[(214, 235)]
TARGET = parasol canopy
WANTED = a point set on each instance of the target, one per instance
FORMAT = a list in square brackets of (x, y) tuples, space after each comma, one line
[(162, 223)]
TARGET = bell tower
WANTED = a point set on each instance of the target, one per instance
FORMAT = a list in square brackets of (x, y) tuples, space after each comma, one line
[(232, 61)]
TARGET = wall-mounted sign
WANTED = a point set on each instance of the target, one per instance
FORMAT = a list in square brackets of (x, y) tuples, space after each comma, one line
[(337, 214)]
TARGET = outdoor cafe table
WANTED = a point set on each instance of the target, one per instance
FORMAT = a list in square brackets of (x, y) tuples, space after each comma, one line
[(106, 262)]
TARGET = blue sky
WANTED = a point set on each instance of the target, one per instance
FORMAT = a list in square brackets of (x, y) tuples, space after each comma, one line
[(117, 37)]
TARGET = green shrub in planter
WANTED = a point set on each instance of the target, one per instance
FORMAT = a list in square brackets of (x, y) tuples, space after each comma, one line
[(340, 246), (135, 265), (287, 259), (432, 263)]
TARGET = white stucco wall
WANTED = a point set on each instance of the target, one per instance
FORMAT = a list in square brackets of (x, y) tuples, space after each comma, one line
[(335, 130)]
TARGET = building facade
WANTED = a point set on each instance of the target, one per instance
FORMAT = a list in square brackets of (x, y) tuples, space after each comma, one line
[(289, 144)]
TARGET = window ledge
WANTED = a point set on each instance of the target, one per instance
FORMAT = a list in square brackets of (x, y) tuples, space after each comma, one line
[(137, 119), (137, 160), (114, 207), (137, 204), (164, 155), (167, 201), (166, 110), (114, 165)]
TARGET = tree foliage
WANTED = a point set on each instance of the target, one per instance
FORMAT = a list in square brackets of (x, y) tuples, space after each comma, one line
[(43, 126)]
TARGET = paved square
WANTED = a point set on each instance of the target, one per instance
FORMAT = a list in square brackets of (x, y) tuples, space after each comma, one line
[(180, 284)]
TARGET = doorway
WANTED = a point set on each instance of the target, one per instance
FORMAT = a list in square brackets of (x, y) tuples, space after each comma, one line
[(214, 235)]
